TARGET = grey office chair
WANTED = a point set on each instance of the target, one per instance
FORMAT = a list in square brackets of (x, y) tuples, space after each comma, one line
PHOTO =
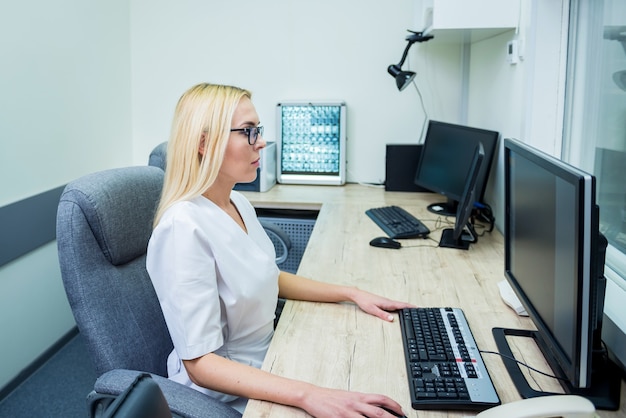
[(104, 221), (280, 239), (142, 399), (158, 155)]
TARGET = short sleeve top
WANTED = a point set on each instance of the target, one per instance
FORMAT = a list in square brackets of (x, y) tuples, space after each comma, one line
[(217, 284)]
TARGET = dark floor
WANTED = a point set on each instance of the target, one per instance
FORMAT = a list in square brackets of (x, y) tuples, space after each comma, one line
[(57, 389)]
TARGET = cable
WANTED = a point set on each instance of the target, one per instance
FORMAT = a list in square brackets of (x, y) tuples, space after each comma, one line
[(441, 223), (482, 228), (483, 212), (374, 185), (522, 364), (438, 224), (423, 245), (419, 93)]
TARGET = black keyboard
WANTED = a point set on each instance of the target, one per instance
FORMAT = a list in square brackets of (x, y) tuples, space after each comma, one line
[(445, 369), (397, 222)]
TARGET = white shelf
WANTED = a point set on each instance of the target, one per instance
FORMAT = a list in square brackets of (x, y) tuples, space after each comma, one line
[(461, 21), (450, 36)]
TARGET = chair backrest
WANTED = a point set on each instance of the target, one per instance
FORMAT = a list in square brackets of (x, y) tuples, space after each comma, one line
[(104, 222), (158, 156)]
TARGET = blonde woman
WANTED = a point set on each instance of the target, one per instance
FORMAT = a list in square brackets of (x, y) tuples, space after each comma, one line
[(214, 271)]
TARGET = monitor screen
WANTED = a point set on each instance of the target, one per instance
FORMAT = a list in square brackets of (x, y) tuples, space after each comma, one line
[(445, 161), (454, 237), (554, 261)]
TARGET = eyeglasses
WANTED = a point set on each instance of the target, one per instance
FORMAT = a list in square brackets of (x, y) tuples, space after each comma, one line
[(252, 133)]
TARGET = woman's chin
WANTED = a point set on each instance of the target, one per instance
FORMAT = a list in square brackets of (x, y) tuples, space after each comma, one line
[(248, 180)]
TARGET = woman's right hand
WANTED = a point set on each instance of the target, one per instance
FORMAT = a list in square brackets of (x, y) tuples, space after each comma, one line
[(333, 403)]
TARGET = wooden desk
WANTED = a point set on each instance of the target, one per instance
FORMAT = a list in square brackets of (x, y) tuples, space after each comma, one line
[(339, 346)]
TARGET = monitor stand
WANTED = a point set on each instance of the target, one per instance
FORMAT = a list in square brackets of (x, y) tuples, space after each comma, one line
[(448, 241), (468, 236), (447, 208), (604, 391)]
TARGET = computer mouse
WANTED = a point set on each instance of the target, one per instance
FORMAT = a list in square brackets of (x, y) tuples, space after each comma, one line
[(385, 242), (395, 414)]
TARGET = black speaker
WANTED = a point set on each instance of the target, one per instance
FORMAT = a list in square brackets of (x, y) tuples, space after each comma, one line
[(401, 162)]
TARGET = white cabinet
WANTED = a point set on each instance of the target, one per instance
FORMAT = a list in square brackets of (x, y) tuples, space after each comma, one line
[(468, 20)]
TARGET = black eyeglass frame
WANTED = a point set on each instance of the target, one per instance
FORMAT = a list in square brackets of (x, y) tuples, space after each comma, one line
[(253, 133)]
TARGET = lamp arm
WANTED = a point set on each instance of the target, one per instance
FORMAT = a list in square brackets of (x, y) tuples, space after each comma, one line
[(405, 53), (411, 39)]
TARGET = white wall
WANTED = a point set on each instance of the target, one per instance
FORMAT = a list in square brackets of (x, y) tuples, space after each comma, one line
[(525, 100), (496, 89), (65, 102), (304, 50), (64, 112), (311, 50)]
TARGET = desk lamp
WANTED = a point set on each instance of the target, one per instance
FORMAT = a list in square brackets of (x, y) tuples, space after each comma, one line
[(403, 78)]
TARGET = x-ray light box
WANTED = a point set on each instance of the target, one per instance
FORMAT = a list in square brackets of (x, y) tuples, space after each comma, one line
[(312, 142)]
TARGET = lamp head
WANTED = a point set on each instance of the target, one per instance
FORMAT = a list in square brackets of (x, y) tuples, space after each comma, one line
[(403, 78)]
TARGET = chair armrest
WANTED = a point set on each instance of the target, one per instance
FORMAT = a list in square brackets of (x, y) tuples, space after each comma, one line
[(184, 401)]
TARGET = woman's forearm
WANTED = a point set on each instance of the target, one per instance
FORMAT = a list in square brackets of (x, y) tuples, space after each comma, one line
[(223, 375), (296, 287)]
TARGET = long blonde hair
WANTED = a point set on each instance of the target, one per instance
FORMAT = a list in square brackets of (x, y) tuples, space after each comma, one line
[(202, 117)]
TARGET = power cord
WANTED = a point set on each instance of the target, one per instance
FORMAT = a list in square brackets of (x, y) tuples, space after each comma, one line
[(439, 223), (522, 364), (423, 245)]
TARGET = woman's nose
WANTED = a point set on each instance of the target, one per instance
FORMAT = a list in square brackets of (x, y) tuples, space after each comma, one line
[(260, 142)]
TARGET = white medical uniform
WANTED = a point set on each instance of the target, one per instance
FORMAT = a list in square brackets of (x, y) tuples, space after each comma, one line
[(217, 285)]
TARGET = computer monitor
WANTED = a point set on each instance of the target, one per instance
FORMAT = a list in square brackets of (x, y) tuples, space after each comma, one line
[(445, 161), (554, 261), (454, 237)]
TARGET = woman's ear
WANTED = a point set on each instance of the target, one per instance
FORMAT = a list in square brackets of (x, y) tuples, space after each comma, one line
[(201, 146)]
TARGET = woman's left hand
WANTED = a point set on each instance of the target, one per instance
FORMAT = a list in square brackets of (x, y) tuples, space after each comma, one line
[(377, 305)]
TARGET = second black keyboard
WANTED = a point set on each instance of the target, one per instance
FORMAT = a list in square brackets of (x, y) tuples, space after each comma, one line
[(397, 222), (444, 365)]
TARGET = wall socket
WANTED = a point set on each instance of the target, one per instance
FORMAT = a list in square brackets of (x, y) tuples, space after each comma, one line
[(512, 52)]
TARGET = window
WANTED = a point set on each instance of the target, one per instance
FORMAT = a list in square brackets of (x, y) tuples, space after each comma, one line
[(595, 116), (595, 138)]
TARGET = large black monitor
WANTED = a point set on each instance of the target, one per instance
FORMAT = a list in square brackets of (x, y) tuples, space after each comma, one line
[(454, 237), (445, 161), (554, 261)]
